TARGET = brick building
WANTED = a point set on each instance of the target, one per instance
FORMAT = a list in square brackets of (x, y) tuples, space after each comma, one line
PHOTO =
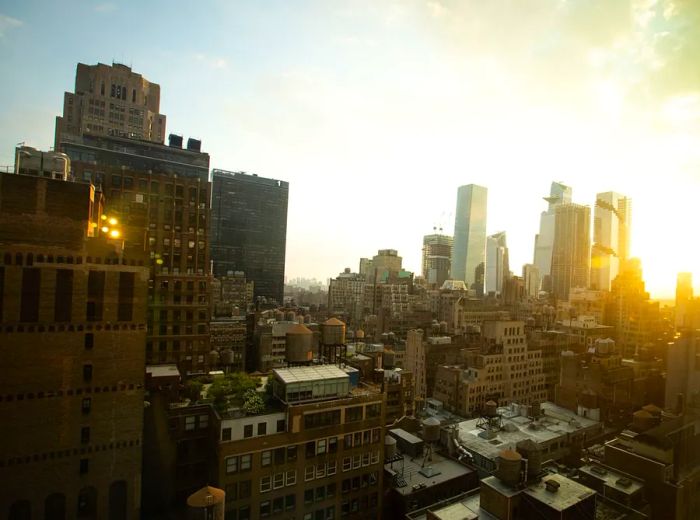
[(72, 330)]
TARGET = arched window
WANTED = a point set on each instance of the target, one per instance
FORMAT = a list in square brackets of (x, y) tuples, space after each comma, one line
[(87, 503), (55, 507), (117, 500)]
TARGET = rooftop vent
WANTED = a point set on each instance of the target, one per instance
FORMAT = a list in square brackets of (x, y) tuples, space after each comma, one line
[(551, 485), (623, 482), (599, 471)]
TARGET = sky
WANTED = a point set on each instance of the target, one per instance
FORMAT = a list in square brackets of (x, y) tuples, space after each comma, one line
[(375, 111)]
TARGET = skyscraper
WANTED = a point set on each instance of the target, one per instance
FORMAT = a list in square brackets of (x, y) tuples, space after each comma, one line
[(544, 241), (437, 257), (497, 268), (111, 101), (469, 249), (249, 229), (571, 249), (161, 195), (611, 232), (684, 297)]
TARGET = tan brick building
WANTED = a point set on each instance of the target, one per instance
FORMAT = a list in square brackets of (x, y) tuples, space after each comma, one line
[(72, 329)]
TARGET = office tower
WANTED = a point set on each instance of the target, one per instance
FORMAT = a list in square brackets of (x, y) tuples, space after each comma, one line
[(544, 241), (72, 331), (437, 259), (611, 232), (684, 297), (249, 230), (531, 276), (161, 195), (571, 249), (497, 268), (111, 101), (469, 250)]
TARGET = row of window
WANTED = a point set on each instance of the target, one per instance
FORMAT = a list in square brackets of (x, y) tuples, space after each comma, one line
[(38, 457), (321, 470), (72, 328), (69, 392), (30, 259)]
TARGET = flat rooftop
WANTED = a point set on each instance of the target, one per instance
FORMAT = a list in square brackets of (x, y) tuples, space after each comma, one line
[(310, 373), (614, 479), (554, 422), (417, 478), (162, 370), (567, 495)]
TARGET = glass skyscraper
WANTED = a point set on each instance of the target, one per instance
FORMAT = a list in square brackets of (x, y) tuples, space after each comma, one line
[(469, 249), (249, 229), (611, 233), (544, 241)]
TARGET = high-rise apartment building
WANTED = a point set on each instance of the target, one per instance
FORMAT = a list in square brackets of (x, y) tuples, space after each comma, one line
[(531, 278), (72, 332), (497, 267), (111, 101), (571, 249), (469, 250), (611, 237), (684, 299), (249, 229), (437, 259), (544, 241), (161, 195)]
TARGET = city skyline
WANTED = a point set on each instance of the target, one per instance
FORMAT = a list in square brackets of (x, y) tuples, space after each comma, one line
[(315, 125)]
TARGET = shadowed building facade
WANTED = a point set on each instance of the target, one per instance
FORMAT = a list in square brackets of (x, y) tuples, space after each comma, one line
[(249, 230), (72, 330)]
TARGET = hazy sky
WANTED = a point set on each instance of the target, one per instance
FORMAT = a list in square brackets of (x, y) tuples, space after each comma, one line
[(376, 111)]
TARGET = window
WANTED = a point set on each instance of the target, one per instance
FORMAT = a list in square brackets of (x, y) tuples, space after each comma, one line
[(310, 451), (290, 502), (85, 435), (246, 461), (321, 419), (89, 341), (231, 464), (291, 453), (189, 423), (291, 477), (226, 434), (63, 299), (375, 457), (374, 410), (84, 466), (281, 425), (278, 505), (347, 464), (265, 484), (356, 461), (353, 414), (244, 488), (365, 459), (330, 490), (320, 470), (87, 372), (278, 480), (333, 445), (308, 496), (309, 473), (348, 441), (29, 303), (321, 447), (86, 405), (332, 467), (320, 493), (279, 455), (265, 508), (203, 421), (248, 431), (266, 458), (262, 428)]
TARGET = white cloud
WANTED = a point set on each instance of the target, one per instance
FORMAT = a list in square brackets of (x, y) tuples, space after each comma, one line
[(8, 23)]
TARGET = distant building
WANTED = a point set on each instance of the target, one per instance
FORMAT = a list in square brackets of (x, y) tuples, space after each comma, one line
[(437, 259), (611, 238), (531, 276), (72, 335), (684, 300), (559, 194), (249, 230), (571, 249), (346, 295), (469, 247), (683, 372), (497, 267), (111, 101)]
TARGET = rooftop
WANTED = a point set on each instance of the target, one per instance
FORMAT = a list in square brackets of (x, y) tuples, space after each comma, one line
[(554, 422), (310, 373), (614, 479), (162, 370), (414, 477), (568, 494)]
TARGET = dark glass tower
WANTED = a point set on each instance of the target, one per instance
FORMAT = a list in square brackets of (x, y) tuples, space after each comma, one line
[(249, 229)]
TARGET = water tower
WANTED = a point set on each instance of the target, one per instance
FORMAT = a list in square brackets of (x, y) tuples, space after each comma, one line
[(333, 348)]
